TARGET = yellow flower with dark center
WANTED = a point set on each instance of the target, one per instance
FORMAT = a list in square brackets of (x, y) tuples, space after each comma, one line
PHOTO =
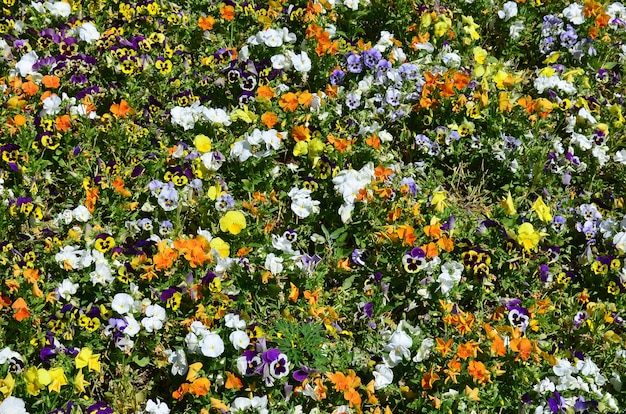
[(104, 243)]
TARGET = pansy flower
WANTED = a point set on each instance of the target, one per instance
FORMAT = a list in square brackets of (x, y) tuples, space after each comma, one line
[(414, 260), (104, 242)]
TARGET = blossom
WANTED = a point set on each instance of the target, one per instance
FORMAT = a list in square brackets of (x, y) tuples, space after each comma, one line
[(13, 405), (383, 376), (58, 8), (450, 275), (274, 263), (233, 222), (123, 303), (239, 339), (158, 407), (301, 202), (178, 359), (528, 237), (66, 289), (542, 210), (211, 345), (397, 348), (202, 143), (86, 358), (574, 13), (301, 62), (509, 10), (88, 32)]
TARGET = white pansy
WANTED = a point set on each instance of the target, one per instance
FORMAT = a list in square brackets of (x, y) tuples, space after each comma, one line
[(13, 405), (81, 213), (563, 368), (280, 62), (25, 65), (301, 203), (620, 156), (574, 13), (509, 10), (351, 4), (183, 117), (383, 376), (211, 345), (123, 303), (397, 348), (424, 350), (619, 240), (178, 359), (66, 289), (450, 276), (274, 263), (157, 407), (88, 32), (59, 8), (132, 326), (301, 62), (234, 321), (51, 105), (239, 339)]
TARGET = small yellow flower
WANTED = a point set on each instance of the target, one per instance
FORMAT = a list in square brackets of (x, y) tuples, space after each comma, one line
[(221, 246), (79, 382), (58, 379), (7, 385), (233, 222), (438, 200), (86, 358), (36, 380), (202, 143), (508, 205), (542, 210), (528, 237)]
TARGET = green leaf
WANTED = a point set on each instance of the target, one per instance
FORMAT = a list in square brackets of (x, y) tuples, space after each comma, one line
[(143, 362), (347, 283)]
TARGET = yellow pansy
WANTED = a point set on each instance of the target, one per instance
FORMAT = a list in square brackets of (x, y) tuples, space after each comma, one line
[(202, 143), (86, 358), (244, 114), (479, 54), (542, 210), (7, 385), (221, 246), (301, 148), (508, 205), (438, 200), (58, 379), (528, 237), (233, 222), (79, 382), (214, 191), (36, 380)]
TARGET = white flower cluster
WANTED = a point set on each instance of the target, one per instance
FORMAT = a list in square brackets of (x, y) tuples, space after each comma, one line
[(202, 340), (301, 202), (348, 183), (397, 349), (543, 82), (450, 276), (187, 116), (244, 404), (239, 338), (258, 144), (582, 377)]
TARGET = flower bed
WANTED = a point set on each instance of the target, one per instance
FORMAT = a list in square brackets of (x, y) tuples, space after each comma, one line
[(356, 206)]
